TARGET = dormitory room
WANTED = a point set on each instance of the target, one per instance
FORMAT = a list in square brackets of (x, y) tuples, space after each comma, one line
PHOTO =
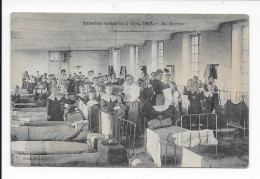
[(129, 90)]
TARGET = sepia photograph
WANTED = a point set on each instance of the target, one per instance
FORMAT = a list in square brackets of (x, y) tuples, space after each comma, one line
[(124, 90)]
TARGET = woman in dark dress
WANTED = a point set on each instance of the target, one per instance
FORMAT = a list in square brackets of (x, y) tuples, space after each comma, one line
[(54, 105), (211, 93), (121, 80), (114, 80), (40, 96), (108, 101), (15, 97), (158, 86), (188, 87), (141, 80), (25, 76), (44, 82), (31, 85), (195, 97), (146, 95), (93, 114), (70, 84), (76, 84)]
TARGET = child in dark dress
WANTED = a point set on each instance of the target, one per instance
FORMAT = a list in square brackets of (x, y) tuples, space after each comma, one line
[(31, 85), (195, 97), (76, 84), (93, 114), (15, 97), (211, 93), (146, 95), (108, 101), (40, 96)]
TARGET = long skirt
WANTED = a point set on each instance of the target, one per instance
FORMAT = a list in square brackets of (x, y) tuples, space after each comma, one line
[(160, 99), (133, 115)]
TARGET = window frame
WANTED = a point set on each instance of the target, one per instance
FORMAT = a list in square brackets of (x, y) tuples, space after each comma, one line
[(136, 61), (245, 59), (160, 54), (195, 54)]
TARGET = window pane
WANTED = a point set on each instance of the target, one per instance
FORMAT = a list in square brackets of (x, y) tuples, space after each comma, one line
[(196, 40), (51, 55), (246, 88), (192, 58), (245, 77), (245, 67), (160, 45), (245, 44), (196, 58), (160, 53), (196, 49), (245, 56), (192, 49), (245, 33), (56, 56), (193, 41)]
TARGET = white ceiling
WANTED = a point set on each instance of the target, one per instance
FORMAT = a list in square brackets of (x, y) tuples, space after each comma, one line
[(66, 31)]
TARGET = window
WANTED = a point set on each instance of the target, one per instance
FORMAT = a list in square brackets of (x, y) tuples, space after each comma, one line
[(62, 56), (161, 54), (245, 61), (195, 53), (136, 61)]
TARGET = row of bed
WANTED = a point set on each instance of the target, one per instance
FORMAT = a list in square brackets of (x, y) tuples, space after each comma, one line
[(59, 143)]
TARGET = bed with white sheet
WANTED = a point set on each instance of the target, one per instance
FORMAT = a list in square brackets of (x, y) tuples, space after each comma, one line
[(186, 147), (156, 142), (161, 150)]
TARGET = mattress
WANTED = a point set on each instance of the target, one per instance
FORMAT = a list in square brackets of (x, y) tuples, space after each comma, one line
[(38, 109), (61, 160), (48, 133), (30, 116)]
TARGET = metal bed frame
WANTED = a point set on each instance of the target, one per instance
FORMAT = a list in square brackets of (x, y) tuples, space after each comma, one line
[(181, 125), (199, 115), (223, 93), (80, 105), (243, 95), (122, 130)]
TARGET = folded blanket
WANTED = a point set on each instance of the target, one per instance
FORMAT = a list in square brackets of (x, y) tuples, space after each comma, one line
[(159, 123), (193, 138)]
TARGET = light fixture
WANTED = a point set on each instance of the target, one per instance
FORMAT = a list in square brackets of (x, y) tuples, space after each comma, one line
[(115, 49)]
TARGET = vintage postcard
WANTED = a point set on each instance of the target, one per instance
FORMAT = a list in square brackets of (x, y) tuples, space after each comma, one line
[(129, 90)]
